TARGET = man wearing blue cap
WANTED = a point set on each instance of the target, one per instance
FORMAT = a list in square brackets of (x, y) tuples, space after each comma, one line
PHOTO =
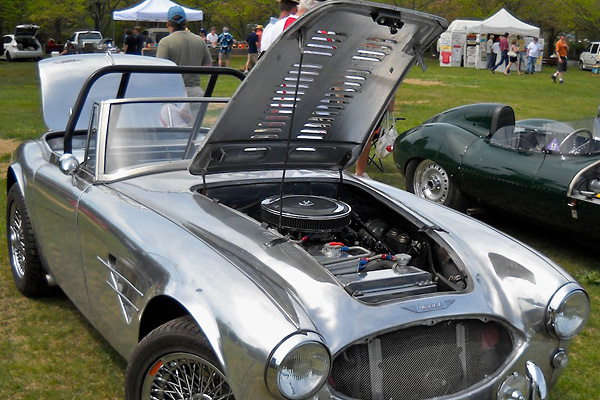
[(184, 48)]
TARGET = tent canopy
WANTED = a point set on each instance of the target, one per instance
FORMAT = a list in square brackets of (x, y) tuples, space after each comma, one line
[(154, 10), (463, 25), (502, 22)]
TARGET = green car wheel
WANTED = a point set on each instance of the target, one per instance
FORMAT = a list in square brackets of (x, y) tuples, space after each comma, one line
[(429, 180)]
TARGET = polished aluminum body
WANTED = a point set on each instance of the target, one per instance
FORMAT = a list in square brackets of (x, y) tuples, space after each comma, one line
[(156, 241)]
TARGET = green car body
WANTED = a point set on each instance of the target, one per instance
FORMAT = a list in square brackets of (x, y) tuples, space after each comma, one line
[(542, 169)]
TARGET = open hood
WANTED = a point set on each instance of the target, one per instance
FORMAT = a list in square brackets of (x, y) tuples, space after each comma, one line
[(323, 86)]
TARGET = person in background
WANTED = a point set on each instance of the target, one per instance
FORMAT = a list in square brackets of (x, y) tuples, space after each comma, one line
[(562, 48), (533, 52), (70, 48), (212, 37), (202, 34), (521, 52), (513, 57), (363, 159), (130, 42), (503, 52), (252, 41), (184, 48), (286, 8), (259, 32), (139, 40), (496, 51), (225, 45), (147, 39), (491, 59)]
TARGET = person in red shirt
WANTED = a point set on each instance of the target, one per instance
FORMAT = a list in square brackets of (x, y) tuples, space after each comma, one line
[(503, 52), (562, 48)]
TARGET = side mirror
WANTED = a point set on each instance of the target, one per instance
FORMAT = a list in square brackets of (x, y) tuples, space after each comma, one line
[(68, 164)]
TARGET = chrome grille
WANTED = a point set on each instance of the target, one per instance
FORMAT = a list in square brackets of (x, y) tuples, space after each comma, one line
[(421, 362)]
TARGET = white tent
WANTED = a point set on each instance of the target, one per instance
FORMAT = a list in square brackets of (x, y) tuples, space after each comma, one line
[(154, 10), (463, 25), (502, 22)]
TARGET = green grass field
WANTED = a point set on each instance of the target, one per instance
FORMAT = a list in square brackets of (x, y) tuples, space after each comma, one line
[(49, 351)]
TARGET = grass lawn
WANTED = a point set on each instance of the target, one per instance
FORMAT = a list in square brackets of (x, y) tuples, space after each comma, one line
[(49, 351)]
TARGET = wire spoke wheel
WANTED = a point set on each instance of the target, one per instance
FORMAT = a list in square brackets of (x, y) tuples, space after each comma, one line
[(431, 182), (184, 376), (17, 241), (27, 271)]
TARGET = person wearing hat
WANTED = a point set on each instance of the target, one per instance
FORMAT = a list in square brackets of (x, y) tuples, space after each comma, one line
[(184, 48), (272, 31), (225, 45), (259, 32)]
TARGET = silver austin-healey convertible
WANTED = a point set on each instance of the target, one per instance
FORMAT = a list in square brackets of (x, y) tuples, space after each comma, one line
[(221, 247)]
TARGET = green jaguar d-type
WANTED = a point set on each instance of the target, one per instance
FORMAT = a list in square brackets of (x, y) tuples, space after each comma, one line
[(478, 155)]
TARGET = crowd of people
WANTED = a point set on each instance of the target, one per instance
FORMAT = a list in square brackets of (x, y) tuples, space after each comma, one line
[(513, 53), (521, 56)]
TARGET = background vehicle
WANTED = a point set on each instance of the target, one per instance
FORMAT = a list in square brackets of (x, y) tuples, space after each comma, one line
[(86, 40), (478, 155), (22, 44), (590, 56), (107, 45), (157, 34), (165, 212)]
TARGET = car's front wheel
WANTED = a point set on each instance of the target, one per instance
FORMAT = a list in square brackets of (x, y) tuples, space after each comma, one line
[(28, 274), (8, 57), (429, 180), (175, 362), (581, 65)]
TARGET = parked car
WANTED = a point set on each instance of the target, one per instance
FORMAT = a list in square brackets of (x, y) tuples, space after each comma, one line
[(157, 34), (221, 247), (590, 56), (22, 44), (86, 40), (542, 169), (107, 45)]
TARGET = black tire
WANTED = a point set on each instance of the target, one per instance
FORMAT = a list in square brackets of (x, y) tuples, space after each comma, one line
[(8, 57), (581, 65), (28, 274), (429, 180), (174, 350)]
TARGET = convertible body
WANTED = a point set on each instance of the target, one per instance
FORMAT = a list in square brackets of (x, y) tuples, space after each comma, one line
[(220, 246), (542, 169)]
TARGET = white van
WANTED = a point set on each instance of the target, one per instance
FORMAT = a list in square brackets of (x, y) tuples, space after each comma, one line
[(590, 56)]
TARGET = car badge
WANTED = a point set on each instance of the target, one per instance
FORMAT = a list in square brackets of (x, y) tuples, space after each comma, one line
[(306, 203), (429, 306)]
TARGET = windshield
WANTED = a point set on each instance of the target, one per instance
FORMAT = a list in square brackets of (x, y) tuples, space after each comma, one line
[(90, 35), (147, 132), (573, 139)]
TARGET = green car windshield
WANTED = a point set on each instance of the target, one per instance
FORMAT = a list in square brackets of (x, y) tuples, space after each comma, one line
[(552, 138)]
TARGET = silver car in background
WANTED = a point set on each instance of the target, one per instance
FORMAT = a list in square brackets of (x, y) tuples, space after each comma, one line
[(222, 248)]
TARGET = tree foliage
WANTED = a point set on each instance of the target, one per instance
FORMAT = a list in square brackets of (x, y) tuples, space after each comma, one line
[(58, 18)]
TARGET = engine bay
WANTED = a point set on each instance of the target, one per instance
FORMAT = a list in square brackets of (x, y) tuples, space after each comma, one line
[(372, 250)]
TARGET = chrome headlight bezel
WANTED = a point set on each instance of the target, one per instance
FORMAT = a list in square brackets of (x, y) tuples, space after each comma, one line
[(281, 356), (570, 297)]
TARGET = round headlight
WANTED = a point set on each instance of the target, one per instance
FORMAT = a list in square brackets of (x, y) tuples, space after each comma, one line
[(298, 367), (568, 311)]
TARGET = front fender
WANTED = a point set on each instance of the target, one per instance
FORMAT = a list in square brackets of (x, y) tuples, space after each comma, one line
[(441, 142)]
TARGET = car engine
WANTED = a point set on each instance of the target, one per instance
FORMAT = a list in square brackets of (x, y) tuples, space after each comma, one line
[(373, 260)]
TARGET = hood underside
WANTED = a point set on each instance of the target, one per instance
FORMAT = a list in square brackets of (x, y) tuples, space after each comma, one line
[(317, 94)]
